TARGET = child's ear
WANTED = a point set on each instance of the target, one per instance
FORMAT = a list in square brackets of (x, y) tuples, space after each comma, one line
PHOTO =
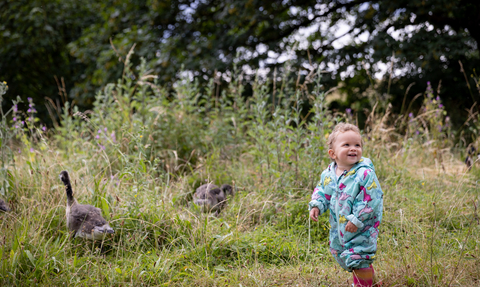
[(331, 153)]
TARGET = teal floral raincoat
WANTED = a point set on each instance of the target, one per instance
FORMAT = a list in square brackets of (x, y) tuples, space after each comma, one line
[(353, 196)]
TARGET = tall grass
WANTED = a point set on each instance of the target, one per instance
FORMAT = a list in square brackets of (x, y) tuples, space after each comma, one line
[(141, 152)]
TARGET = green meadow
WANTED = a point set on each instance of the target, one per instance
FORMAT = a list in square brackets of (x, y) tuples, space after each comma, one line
[(141, 152)]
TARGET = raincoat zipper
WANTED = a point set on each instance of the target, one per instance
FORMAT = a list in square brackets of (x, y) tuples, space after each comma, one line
[(337, 211)]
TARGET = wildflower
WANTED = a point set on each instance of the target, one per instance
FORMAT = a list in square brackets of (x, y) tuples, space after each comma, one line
[(19, 151), (14, 119), (99, 131), (417, 133), (44, 128), (105, 129), (32, 150), (349, 111), (97, 137), (410, 115), (113, 136), (440, 106), (29, 99)]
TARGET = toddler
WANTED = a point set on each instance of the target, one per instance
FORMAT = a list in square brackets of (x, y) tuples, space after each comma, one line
[(349, 188)]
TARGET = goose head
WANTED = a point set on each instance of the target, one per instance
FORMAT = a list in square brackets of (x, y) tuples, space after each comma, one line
[(227, 189), (64, 177), (3, 206)]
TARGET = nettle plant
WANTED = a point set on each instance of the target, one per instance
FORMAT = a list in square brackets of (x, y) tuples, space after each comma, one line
[(137, 125), (288, 145), (431, 125), (20, 129), (6, 156)]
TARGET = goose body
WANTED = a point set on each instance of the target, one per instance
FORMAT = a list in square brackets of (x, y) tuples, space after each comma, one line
[(472, 156), (83, 220), (3, 206), (211, 197)]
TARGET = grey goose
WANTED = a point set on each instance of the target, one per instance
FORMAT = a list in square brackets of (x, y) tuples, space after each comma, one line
[(83, 220), (210, 197)]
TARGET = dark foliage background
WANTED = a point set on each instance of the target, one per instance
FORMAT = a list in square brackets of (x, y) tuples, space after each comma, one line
[(43, 42)]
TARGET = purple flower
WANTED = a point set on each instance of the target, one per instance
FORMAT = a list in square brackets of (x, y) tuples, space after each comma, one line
[(32, 150), (97, 137), (29, 99), (19, 151), (410, 115), (29, 110), (14, 119), (428, 83), (349, 111), (438, 98), (44, 128), (440, 106), (417, 133), (105, 129), (113, 137), (15, 109), (99, 131)]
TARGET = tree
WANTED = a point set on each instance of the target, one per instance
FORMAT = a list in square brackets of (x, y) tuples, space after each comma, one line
[(34, 35), (423, 41), (426, 38)]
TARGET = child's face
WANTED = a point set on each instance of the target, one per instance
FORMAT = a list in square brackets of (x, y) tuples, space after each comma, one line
[(347, 149)]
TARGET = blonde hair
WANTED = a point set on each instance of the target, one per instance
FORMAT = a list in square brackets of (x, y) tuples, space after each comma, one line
[(341, 128)]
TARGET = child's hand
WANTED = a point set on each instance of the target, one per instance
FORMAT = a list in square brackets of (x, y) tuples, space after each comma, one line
[(351, 227), (314, 213)]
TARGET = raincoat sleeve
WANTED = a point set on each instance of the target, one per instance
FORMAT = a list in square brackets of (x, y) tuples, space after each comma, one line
[(320, 196), (369, 201)]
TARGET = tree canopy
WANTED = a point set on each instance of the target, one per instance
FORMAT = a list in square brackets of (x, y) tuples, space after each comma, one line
[(410, 43)]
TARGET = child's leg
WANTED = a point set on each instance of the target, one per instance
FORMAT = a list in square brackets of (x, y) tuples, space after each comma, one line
[(363, 277)]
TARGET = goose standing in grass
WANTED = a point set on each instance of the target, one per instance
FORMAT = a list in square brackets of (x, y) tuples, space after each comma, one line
[(472, 156), (3, 206), (211, 197), (83, 220)]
